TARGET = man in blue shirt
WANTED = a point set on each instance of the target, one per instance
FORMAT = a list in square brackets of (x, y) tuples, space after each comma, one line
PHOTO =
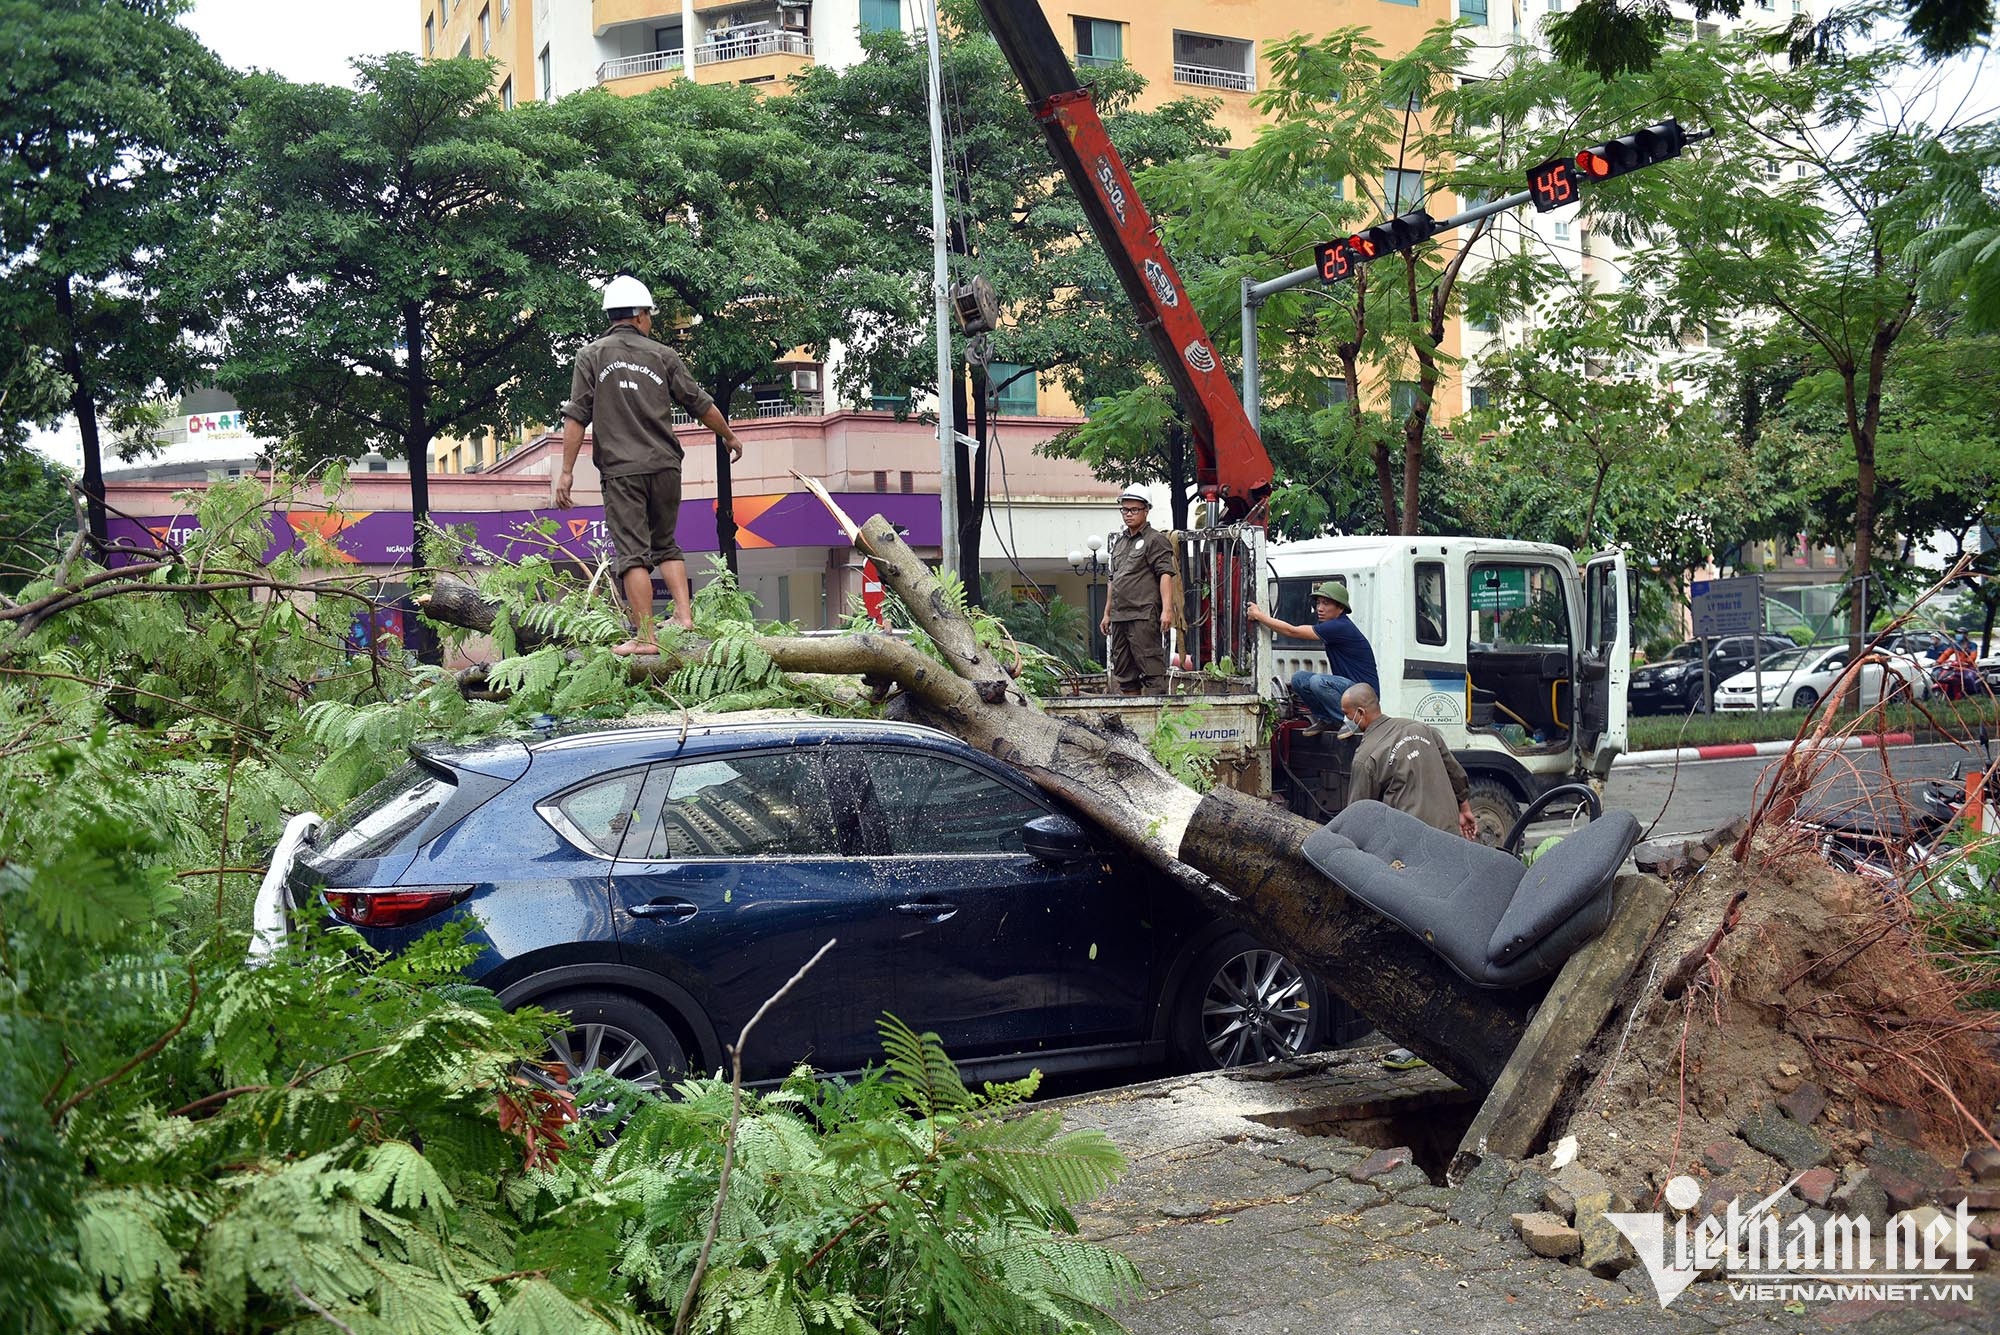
[(1348, 654)]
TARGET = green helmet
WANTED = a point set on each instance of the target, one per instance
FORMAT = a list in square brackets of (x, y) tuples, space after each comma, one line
[(1334, 592)]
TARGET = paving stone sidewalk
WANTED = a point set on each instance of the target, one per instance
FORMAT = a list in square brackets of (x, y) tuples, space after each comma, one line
[(1247, 1215)]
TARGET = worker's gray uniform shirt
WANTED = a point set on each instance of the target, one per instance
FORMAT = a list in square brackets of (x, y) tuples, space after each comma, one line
[(1137, 562), (624, 389), (1406, 764)]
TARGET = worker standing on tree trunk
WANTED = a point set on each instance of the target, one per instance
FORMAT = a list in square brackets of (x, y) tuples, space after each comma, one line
[(1139, 611), (1406, 764), (1348, 653), (625, 387)]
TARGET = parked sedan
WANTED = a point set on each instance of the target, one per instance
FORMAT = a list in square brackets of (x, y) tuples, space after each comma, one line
[(657, 884), (1673, 685), (1800, 678)]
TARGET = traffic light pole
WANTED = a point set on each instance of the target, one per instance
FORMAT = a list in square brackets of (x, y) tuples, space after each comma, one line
[(1255, 294)]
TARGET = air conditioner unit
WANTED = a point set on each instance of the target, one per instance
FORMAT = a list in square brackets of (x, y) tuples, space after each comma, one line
[(806, 381)]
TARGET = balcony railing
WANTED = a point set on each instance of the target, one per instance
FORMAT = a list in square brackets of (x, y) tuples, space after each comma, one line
[(753, 44), (1236, 81), (803, 405), (653, 62)]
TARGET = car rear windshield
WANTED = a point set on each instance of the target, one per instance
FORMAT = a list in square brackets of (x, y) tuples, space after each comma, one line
[(385, 815)]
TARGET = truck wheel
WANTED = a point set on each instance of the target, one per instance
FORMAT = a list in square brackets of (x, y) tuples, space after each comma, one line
[(1494, 808), (1242, 1003)]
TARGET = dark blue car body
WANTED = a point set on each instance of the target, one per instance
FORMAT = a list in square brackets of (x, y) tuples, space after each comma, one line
[(696, 867)]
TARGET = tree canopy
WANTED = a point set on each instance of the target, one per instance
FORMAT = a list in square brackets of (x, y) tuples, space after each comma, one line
[(111, 116)]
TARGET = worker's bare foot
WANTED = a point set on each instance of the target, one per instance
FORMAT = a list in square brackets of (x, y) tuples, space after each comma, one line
[(634, 647), (679, 623)]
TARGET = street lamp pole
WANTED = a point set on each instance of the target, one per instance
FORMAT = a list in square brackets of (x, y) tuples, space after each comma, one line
[(1092, 561)]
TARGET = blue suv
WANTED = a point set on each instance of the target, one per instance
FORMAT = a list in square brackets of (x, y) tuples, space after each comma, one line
[(658, 883)]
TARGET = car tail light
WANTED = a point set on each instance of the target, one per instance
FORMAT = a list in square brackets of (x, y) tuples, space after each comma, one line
[(393, 908)]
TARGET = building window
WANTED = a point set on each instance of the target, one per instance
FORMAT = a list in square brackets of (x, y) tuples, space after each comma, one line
[(667, 39), (1215, 62), (543, 73), (1414, 101), (1099, 41), (474, 451), (1013, 387), (1335, 392), (1473, 11), (485, 30), (1402, 191), (1411, 3), (881, 16), (507, 94), (889, 403), (1562, 229), (1480, 397), (1555, 6), (1403, 399), (908, 482), (465, 51), (1486, 322), (506, 8), (430, 34)]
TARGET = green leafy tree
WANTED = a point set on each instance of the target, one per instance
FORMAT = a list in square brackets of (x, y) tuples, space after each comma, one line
[(1816, 254), (401, 262), (111, 115), (1013, 221), (1349, 124), (35, 516), (1616, 37)]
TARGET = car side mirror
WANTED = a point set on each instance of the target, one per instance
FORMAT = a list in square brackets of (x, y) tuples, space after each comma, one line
[(1057, 839)]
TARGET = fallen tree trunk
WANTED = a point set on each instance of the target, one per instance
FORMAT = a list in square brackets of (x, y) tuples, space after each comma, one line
[(1243, 856)]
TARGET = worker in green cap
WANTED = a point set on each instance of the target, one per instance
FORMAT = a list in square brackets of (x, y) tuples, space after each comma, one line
[(1349, 657)]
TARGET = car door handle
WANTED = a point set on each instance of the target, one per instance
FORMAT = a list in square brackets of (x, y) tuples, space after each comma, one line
[(673, 910), (931, 909)]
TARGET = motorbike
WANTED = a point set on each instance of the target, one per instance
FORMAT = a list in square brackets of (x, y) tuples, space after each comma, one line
[(1921, 845)]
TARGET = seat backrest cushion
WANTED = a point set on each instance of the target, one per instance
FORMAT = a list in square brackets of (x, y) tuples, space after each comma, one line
[(1444, 889), (1562, 883)]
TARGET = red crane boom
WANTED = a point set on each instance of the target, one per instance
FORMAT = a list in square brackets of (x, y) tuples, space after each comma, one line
[(1231, 466)]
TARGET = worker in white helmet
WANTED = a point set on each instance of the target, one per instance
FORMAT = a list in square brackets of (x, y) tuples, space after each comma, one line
[(624, 388)]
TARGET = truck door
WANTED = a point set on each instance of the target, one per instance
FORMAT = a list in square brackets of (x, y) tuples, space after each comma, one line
[(1604, 663)]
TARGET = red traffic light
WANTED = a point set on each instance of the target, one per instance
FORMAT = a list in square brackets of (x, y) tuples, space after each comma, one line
[(1629, 152)]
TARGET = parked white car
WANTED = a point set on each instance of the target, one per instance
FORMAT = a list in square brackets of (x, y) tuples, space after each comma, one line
[(1800, 678)]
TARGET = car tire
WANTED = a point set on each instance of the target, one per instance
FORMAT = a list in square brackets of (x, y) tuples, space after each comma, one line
[(1242, 1003), (1804, 698), (614, 1033), (1494, 808)]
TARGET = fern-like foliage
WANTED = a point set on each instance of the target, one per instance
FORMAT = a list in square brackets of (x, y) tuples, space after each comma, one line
[(319, 1143)]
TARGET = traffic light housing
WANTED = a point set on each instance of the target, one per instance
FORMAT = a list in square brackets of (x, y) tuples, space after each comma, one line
[(1336, 260), (1629, 152)]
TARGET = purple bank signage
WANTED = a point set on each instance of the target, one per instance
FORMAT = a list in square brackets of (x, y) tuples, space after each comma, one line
[(383, 537)]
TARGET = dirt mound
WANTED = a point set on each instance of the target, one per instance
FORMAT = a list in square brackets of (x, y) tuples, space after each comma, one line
[(1813, 1033)]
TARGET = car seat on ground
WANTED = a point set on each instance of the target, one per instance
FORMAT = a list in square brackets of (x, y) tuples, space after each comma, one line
[(1495, 921)]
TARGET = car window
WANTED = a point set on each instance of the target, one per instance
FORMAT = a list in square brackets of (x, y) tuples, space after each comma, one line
[(1516, 606), (1833, 662), (393, 808), (765, 805), (597, 815), (932, 804), (1789, 659)]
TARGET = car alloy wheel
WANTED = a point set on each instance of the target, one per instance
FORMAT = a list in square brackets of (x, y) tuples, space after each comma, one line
[(606, 1048), (612, 1033), (1256, 1009)]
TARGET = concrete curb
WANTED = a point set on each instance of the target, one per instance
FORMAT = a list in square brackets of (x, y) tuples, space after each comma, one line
[(1748, 750)]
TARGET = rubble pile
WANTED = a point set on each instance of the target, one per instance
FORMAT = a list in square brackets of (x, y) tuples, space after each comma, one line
[(1786, 1033)]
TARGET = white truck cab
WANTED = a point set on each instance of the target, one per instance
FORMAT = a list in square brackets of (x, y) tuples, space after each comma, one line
[(1518, 658)]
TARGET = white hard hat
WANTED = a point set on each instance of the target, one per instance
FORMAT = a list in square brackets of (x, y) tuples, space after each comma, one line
[(626, 293), (1135, 494)]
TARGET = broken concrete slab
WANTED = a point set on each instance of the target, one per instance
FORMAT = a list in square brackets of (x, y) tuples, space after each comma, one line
[(1606, 1253)]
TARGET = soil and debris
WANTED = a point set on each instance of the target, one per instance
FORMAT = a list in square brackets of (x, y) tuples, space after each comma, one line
[(1786, 1027)]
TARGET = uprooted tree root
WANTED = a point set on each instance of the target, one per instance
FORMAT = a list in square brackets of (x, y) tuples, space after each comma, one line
[(1822, 979)]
